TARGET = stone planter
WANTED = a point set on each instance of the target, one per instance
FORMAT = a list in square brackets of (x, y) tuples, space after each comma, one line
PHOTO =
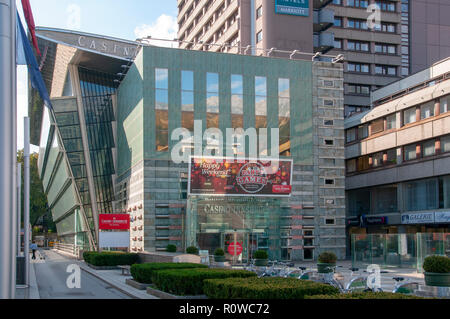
[(219, 259), (437, 279), (261, 262), (325, 268)]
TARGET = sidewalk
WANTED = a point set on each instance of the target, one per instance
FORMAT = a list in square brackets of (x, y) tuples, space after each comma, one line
[(31, 292), (112, 277)]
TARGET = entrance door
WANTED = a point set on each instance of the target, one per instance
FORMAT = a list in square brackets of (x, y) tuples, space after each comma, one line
[(236, 247)]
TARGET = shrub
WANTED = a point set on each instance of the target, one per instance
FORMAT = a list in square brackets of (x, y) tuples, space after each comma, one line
[(437, 264), (190, 281), (171, 248), (327, 257), (265, 288), (192, 250), (110, 258), (219, 252), (143, 272), (365, 295), (260, 254)]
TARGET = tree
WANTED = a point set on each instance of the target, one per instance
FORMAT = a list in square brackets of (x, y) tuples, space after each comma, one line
[(38, 199)]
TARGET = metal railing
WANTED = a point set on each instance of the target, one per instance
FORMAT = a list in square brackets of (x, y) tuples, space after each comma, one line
[(74, 250)]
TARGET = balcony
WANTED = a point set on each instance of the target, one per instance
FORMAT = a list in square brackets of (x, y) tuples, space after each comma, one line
[(323, 42), (323, 19)]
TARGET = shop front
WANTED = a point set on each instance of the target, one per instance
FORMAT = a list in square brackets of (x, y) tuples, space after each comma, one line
[(234, 207)]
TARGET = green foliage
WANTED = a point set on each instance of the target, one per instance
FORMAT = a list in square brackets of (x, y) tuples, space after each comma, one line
[(110, 258), (219, 252), (38, 200), (143, 272), (190, 281), (265, 288), (437, 264), (260, 254), (171, 248), (327, 257), (192, 250), (365, 295)]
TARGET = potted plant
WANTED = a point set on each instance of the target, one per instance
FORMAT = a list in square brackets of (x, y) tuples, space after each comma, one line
[(326, 262), (261, 258), (219, 255), (192, 250), (171, 248), (437, 271)]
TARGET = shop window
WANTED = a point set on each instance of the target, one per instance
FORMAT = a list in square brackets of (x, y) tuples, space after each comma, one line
[(420, 195), (358, 202), (384, 199)]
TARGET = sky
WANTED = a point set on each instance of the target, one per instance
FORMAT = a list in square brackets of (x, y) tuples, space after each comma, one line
[(130, 19)]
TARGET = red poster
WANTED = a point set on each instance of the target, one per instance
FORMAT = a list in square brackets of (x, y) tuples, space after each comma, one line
[(237, 177), (114, 221), (235, 249)]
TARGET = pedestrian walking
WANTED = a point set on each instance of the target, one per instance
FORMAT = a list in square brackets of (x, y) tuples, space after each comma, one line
[(34, 247)]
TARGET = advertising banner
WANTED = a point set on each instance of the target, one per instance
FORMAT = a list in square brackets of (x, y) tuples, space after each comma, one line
[(212, 176), (293, 7), (114, 221)]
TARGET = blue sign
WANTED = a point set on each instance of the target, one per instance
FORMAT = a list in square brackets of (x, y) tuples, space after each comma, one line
[(293, 7)]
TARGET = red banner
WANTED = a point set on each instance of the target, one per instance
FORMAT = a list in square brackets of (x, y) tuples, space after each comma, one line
[(114, 221), (237, 177)]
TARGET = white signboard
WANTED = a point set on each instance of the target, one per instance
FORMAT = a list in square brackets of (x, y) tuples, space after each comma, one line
[(442, 217), (114, 239), (418, 218)]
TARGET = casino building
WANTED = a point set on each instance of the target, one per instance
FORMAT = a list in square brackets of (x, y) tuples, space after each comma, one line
[(109, 146)]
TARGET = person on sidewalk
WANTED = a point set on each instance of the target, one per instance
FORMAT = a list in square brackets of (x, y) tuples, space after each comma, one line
[(34, 247)]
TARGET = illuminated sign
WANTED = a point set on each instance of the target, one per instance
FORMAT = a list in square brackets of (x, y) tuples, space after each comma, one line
[(293, 7)]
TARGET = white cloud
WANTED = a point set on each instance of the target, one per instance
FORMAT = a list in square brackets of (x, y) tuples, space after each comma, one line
[(165, 27)]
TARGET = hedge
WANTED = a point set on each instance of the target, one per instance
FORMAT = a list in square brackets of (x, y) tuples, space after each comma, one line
[(143, 272), (265, 288), (366, 295), (190, 281), (110, 258), (437, 264)]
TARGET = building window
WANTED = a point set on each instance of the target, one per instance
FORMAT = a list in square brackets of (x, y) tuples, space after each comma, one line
[(351, 165), (445, 144), (261, 102), (358, 89), (427, 110), (328, 122), (284, 116), (385, 27), (377, 159), (386, 5), (330, 221), (237, 101), (338, 43), (358, 67), (187, 100), (357, 24), (444, 104), (162, 109), (391, 157), (409, 152), (358, 3), (386, 70), (212, 100), (337, 2), (420, 195), (428, 148), (409, 116), (338, 22), (385, 48), (350, 135), (363, 131), (329, 142), (391, 121), (363, 163), (259, 37), (358, 46), (377, 126), (259, 12)]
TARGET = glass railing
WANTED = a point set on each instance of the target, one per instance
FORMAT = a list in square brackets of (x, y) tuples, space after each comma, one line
[(397, 250)]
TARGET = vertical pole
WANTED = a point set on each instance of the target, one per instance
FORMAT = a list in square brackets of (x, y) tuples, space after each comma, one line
[(7, 52), (19, 207), (26, 197)]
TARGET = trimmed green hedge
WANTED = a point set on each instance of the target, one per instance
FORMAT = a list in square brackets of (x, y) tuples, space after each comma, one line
[(366, 295), (143, 272), (265, 288), (110, 258), (190, 281), (437, 264)]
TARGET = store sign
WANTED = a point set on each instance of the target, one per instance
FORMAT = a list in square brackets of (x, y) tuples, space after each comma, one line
[(235, 249), (376, 220), (418, 218), (442, 217), (363, 221), (212, 176), (114, 221), (293, 7)]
